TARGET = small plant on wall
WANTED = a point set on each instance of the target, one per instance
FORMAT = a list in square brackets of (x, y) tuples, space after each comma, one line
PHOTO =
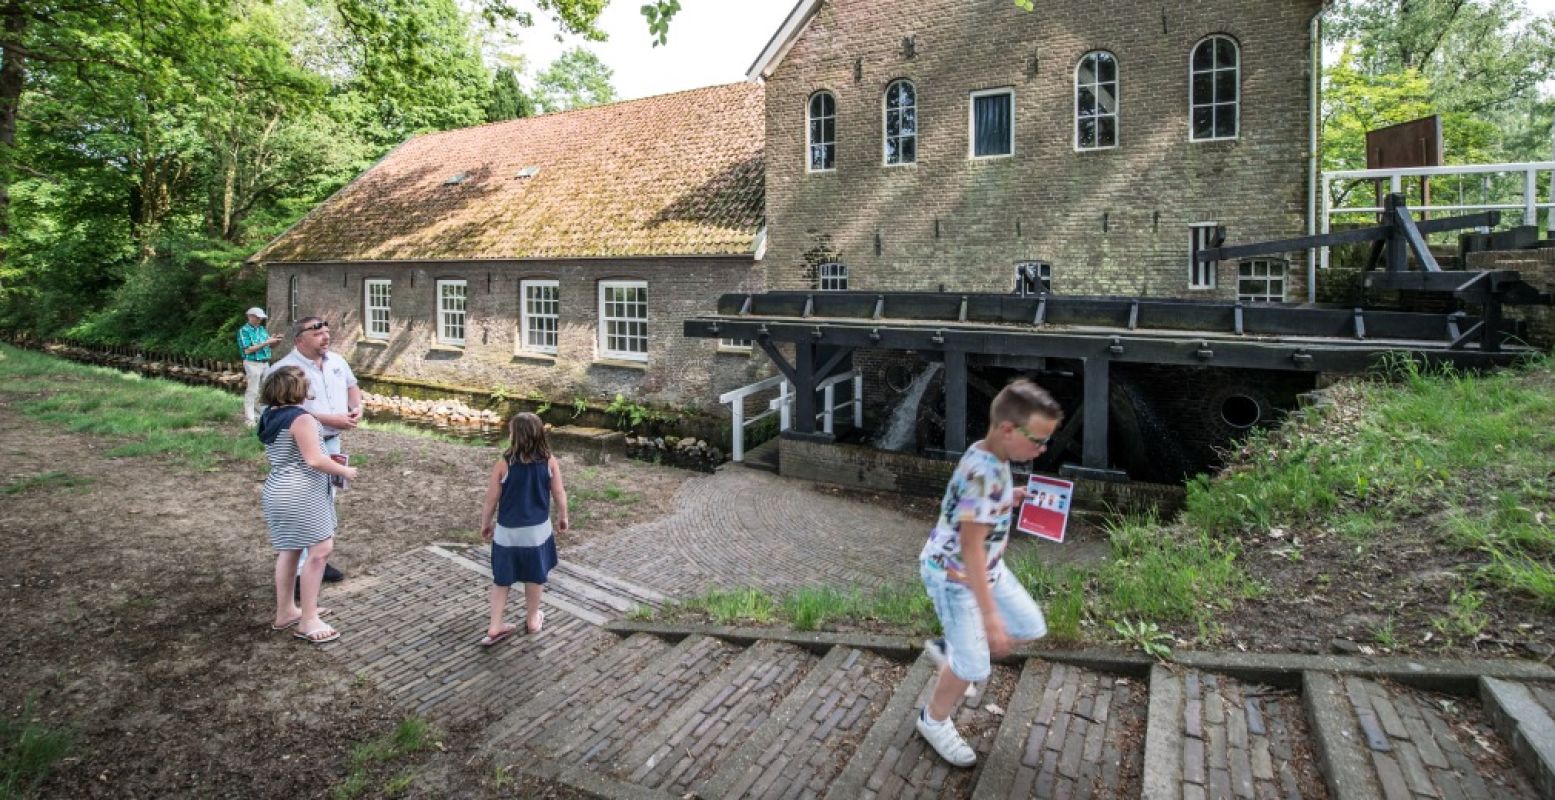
[(630, 415)]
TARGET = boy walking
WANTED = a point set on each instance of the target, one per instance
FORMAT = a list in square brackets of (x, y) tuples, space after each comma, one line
[(982, 608), (254, 342)]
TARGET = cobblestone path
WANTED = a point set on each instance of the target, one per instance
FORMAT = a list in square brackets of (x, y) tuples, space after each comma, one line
[(681, 714), (740, 527)]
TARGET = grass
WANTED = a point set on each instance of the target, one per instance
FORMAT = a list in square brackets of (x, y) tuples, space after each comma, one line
[(194, 425), (585, 505), (412, 735), (28, 751), (46, 480), (1148, 577)]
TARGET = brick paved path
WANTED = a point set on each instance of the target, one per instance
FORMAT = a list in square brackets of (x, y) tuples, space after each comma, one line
[(740, 527), (675, 716)]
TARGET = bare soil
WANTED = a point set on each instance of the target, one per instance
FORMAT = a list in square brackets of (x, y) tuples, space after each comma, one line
[(137, 609)]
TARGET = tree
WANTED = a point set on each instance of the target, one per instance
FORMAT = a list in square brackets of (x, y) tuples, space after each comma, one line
[(507, 100), (576, 79)]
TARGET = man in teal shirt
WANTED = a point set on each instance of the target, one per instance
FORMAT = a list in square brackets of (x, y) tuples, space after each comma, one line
[(254, 342)]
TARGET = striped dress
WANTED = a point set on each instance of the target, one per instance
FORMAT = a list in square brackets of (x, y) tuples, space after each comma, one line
[(299, 506)]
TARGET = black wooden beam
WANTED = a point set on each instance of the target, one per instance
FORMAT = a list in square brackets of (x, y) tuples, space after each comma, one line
[(1098, 386), (955, 401), (804, 381), (1307, 355)]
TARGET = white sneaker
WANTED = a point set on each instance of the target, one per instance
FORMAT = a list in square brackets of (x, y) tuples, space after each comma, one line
[(946, 741)]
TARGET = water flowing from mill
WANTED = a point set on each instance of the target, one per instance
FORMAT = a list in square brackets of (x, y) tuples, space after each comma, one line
[(904, 418)]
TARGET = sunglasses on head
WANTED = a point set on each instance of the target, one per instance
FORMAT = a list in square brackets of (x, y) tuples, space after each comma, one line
[(1040, 441), (317, 326)]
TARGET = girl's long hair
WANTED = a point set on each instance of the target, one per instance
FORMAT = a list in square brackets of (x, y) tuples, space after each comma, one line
[(526, 439)]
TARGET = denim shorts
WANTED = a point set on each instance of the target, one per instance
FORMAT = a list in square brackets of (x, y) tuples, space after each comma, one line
[(963, 622)]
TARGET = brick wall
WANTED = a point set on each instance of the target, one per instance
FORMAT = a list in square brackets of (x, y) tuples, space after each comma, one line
[(951, 220), (679, 370), (1537, 268)]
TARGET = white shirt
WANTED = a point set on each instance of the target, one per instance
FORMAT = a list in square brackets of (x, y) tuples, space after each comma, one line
[(326, 387)]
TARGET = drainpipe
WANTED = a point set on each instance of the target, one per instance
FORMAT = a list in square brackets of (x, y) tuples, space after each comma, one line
[(1314, 37)]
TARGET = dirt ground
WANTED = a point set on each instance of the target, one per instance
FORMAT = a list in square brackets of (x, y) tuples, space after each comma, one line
[(137, 609)]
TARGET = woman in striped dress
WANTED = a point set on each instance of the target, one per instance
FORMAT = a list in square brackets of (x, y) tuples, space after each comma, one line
[(299, 506)]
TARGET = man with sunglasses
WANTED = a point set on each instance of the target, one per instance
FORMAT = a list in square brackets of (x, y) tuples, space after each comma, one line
[(334, 399)]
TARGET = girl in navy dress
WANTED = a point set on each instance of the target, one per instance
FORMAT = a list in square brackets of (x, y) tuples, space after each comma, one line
[(522, 489)]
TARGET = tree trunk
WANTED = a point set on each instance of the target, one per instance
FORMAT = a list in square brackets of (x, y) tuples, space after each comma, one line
[(12, 78)]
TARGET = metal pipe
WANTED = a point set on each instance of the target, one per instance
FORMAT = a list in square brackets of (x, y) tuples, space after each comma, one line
[(1314, 39)]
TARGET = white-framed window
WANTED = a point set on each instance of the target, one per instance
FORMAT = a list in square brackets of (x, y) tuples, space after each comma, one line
[(451, 297), (1034, 276), (539, 312), (1201, 274), (738, 345), (375, 308), (901, 123), (833, 276), (1260, 280), (623, 319), (293, 296), (991, 120), (1096, 102), (1214, 90), (821, 132)]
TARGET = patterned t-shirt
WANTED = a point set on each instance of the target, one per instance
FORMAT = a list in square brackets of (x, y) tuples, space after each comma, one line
[(979, 491)]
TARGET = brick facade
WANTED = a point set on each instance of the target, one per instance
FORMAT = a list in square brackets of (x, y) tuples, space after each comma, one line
[(678, 371), (1110, 221)]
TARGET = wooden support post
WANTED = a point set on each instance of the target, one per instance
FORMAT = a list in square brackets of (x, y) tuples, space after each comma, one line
[(804, 387), (955, 401), (1097, 385)]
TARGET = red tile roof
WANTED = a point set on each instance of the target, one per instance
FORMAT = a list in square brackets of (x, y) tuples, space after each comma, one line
[(677, 174)]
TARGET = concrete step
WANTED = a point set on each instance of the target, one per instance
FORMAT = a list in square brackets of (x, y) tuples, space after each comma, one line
[(1524, 715), (1068, 732), (600, 733), (715, 719), (808, 738), (554, 707), (1376, 739), (1215, 736), (894, 761)]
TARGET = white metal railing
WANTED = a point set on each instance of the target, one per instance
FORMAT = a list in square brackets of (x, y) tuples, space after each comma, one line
[(1523, 195), (784, 402), (736, 401), (783, 406)]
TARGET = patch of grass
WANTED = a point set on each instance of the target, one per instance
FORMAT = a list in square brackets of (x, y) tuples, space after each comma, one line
[(28, 751), (1361, 526), (46, 480), (412, 735), (195, 425), (1167, 575), (586, 503), (1384, 635), (733, 606), (1463, 617)]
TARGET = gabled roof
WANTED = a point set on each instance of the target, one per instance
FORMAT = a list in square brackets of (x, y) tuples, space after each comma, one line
[(677, 174)]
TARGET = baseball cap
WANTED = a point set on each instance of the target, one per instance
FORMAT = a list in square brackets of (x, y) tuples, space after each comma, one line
[(258, 312)]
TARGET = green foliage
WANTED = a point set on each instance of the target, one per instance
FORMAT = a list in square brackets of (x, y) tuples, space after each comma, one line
[(150, 417), (1147, 636), (28, 751), (580, 404), (630, 415), (410, 736), (507, 99), (658, 14), (576, 79)]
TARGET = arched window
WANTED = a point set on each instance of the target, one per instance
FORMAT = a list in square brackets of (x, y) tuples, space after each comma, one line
[(822, 135), (833, 276), (1214, 91), (901, 123), (1096, 102)]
